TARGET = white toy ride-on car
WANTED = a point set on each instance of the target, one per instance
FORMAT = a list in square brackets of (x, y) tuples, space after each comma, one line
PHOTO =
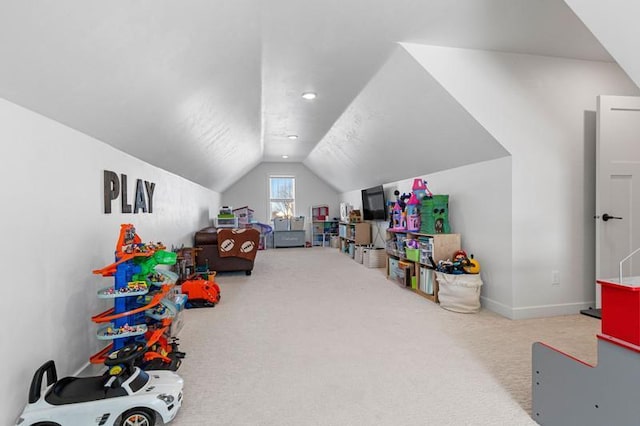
[(123, 396)]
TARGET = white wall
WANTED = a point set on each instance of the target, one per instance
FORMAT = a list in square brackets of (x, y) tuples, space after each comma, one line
[(535, 107), (479, 210), (253, 191), (55, 233)]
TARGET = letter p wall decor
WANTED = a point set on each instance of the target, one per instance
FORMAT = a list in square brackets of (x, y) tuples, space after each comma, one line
[(116, 187)]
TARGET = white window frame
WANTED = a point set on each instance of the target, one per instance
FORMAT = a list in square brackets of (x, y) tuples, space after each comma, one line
[(271, 200)]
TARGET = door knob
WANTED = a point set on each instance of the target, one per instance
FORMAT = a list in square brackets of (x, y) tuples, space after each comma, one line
[(606, 217)]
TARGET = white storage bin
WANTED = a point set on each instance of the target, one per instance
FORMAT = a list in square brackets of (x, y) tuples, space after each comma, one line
[(297, 223), (281, 224), (459, 293)]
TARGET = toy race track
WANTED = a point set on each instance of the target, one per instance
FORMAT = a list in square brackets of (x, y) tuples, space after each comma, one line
[(145, 304)]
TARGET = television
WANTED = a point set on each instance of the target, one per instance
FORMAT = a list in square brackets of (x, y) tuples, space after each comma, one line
[(374, 206)]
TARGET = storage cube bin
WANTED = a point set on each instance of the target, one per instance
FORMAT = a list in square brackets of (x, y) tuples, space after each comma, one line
[(426, 280), (342, 230), (320, 212), (412, 254), (393, 263), (358, 254), (373, 257)]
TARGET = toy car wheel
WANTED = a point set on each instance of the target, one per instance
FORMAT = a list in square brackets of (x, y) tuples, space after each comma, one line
[(138, 417)]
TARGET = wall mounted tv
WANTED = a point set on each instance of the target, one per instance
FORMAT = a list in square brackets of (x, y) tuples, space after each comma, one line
[(374, 206)]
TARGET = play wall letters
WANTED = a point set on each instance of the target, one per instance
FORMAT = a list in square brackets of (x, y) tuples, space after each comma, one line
[(115, 186)]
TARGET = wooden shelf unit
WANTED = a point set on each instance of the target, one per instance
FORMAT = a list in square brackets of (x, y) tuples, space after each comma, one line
[(322, 228), (322, 231), (442, 247), (358, 233)]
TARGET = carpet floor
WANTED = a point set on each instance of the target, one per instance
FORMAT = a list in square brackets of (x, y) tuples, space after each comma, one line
[(314, 338)]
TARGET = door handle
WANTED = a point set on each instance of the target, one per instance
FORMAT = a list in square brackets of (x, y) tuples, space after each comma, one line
[(606, 217)]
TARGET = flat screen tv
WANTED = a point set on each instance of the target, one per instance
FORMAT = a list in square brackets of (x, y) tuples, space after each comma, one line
[(374, 206)]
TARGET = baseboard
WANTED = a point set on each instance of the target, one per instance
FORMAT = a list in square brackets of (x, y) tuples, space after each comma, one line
[(550, 310), (89, 369), (529, 312), (497, 307), (83, 369)]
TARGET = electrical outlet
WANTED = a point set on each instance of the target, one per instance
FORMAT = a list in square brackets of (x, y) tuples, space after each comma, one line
[(555, 277)]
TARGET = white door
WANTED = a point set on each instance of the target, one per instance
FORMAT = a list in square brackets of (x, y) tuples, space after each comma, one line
[(617, 187)]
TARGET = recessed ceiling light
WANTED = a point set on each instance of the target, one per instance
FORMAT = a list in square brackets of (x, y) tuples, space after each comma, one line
[(309, 95), (285, 156), (293, 137)]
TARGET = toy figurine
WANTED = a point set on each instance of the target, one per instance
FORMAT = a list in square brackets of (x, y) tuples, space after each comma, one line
[(397, 217), (400, 199)]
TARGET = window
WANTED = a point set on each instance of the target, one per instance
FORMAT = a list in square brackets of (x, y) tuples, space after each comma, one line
[(282, 200)]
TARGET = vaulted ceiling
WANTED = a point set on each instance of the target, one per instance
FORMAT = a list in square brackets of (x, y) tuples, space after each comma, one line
[(207, 89)]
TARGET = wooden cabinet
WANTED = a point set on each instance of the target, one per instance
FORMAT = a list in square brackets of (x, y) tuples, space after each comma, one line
[(400, 260)]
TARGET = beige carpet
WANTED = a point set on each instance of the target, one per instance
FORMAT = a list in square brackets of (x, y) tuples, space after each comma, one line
[(313, 338)]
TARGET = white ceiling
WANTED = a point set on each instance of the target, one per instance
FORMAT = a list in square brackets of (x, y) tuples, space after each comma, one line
[(208, 89), (615, 25)]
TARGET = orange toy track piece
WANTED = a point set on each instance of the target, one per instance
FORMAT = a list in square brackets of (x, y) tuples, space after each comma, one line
[(107, 316), (127, 238), (109, 270), (156, 337)]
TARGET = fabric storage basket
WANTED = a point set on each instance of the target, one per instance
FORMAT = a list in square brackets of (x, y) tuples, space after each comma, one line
[(358, 254), (459, 293), (374, 257)]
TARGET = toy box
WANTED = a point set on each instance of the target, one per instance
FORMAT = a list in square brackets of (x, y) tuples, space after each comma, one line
[(244, 215)]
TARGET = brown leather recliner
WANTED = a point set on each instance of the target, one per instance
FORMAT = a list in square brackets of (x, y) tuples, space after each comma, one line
[(237, 252)]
